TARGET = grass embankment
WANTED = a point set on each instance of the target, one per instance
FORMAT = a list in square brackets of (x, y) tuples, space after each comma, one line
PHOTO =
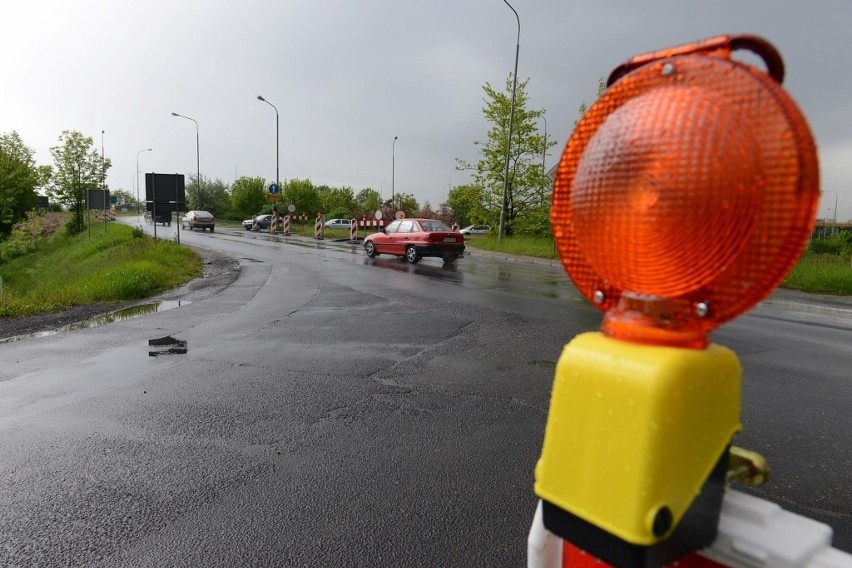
[(825, 268), (59, 271), (822, 274), (523, 245)]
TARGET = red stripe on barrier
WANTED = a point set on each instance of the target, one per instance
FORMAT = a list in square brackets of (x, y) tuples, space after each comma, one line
[(573, 557)]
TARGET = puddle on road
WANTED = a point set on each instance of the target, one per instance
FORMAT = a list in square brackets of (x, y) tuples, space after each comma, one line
[(103, 319)]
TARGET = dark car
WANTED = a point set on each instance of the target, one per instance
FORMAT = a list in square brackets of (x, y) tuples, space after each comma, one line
[(198, 220), (259, 222), (414, 239)]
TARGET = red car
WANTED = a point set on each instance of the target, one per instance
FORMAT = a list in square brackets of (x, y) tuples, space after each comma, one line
[(414, 239)]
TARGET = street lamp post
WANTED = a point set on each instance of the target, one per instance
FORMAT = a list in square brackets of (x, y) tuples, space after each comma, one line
[(511, 121), (197, 161), (544, 156), (393, 174), (103, 166), (834, 222), (137, 178), (103, 178), (277, 152)]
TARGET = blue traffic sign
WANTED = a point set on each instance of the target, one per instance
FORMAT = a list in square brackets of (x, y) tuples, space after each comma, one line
[(273, 188)]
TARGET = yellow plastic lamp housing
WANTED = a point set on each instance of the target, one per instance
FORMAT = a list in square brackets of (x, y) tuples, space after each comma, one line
[(685, 194), (634, 430)]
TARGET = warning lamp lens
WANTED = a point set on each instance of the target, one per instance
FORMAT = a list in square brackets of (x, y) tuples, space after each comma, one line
[(666, 169), (684, 196)]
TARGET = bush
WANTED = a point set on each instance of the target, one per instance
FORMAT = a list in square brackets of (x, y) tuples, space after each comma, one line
[(839, 244), (27, 234)]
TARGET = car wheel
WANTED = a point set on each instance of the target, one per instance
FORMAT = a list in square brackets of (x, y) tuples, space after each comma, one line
[(190, 226), (450, 258), (370, 249), (211, 229), (411, 255)]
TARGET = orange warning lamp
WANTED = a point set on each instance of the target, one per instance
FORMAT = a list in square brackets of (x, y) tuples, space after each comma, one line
[(686, 192), (683, 197)]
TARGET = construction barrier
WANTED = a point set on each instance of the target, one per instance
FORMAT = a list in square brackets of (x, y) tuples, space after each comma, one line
[(287, 225), (353, 230), (455, 227), (751, 532), (363, 223), (274, 225), (318, 228)]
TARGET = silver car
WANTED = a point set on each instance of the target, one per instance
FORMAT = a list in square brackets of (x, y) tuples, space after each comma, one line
[(198, 220), (475, 230)]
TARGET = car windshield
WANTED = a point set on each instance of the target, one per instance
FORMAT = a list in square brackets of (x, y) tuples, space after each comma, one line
[(432, 225)]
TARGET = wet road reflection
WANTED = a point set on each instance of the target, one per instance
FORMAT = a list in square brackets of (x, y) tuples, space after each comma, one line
[(478, 272)]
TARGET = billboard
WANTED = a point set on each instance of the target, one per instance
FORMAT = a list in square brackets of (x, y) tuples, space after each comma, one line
[(97, 199), (166, 191)]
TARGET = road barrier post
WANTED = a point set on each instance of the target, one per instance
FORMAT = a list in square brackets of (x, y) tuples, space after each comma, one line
[(318, 228)]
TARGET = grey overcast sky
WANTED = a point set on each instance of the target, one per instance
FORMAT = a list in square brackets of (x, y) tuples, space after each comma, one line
[(349, 76)]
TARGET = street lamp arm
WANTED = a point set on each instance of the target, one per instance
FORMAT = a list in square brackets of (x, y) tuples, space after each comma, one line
[(277, 138), (517, 18), (197, 158)]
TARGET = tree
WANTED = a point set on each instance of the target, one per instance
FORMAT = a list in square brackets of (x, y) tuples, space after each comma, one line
[(426, 211), (446, 214), (337, 202), (407, 203), (466, 201), (303, 194), (123, 198), (583, 107), (367, 202), (19, 176), (209, 195), (528, 185), (248, 196), (77, 168)]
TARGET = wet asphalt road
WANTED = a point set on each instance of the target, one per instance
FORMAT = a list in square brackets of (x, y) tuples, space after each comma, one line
[(336, 410)]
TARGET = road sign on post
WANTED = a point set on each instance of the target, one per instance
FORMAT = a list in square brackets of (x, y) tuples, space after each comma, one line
[(655, 159)]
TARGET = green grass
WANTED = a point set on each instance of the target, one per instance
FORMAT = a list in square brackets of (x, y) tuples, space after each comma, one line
[(821, 273), (66, 271), (523, 245), (816, 273)]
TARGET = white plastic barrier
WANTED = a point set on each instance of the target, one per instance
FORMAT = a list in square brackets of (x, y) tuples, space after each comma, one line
[(753, 533)]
